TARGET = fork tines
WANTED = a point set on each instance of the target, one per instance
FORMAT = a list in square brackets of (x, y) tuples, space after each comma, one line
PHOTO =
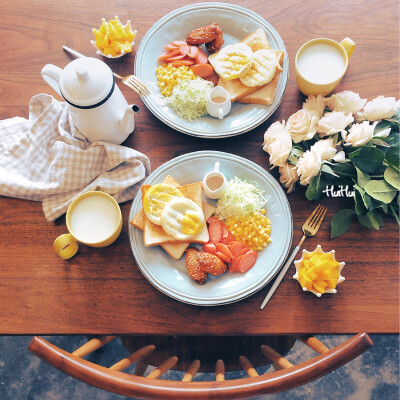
[(137, 85), (317, 216)]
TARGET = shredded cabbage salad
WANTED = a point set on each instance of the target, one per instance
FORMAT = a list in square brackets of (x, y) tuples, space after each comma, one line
[(241, 198), (189, 97)]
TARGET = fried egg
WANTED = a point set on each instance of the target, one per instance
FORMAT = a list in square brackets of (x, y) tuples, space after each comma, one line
[(233, 61), (155, 199), (262, 69), (182, 218)]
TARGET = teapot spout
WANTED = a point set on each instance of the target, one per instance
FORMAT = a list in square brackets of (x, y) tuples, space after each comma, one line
[(51, 74), (127, 123)]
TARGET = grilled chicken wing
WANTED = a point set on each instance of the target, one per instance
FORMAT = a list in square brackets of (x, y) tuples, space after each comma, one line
[(205, 34)]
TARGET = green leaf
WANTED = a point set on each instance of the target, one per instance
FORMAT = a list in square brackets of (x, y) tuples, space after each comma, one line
[(359, 204), (295, 154), (381, 191), (379, 142), (327, 169), (392, 155), (362, 177), (392, 177), (384, 124), (316, 186), (341, 222), (344, 170), (368, 159), (371, 220)]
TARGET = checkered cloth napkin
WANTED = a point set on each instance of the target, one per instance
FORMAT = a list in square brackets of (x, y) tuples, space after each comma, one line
[(47, 159)]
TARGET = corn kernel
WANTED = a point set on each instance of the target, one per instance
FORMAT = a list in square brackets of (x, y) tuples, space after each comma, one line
[(169, 76)]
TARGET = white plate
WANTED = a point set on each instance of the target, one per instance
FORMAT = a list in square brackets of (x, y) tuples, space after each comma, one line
[(236, 23), (170, 276)]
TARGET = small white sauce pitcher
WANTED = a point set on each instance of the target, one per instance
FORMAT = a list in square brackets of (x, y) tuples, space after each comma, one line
[(216, 193), (218, 109)]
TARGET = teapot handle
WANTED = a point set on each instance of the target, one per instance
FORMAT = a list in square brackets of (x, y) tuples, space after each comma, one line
[(51, 74)]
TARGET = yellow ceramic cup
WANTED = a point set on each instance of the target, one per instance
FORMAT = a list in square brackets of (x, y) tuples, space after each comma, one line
[(93, 218), (307, 86)]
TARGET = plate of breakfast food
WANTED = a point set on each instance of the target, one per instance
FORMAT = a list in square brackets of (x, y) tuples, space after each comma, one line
[(203, 250), (191, 50)]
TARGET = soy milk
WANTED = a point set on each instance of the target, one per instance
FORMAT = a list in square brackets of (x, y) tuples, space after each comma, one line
[(321, 63), (94, 218)]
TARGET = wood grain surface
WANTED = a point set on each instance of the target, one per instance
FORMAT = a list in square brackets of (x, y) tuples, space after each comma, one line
[(101, 291)]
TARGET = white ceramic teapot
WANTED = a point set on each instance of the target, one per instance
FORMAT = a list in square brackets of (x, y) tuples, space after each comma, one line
[(98, 108)]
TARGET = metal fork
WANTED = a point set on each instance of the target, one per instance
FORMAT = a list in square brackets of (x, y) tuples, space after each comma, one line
[(309, 228), (132, 81)]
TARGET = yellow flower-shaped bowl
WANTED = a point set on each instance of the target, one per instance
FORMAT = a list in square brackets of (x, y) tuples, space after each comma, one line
[(319, 274), (111, 32)]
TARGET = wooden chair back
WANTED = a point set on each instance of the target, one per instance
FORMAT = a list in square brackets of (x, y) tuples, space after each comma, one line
[(286, 376)]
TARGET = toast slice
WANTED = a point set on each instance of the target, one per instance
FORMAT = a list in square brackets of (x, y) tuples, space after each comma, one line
[(257, 40), (154, 235), (175, 250), (237, 90), (266, 94)]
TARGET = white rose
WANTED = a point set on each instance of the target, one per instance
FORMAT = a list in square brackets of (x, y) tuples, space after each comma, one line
[(308, 166), (378, 108), (316, 104), (347, 101), (288, 176), (301, 125), (277, 143), (324, 148), (310, 163), (333, 122), (359, 134)]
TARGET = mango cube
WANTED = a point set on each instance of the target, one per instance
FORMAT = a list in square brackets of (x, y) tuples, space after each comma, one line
[(318, 271), (113, 38)]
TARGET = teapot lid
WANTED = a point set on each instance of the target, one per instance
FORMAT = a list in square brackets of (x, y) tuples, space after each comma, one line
[(87, 82)]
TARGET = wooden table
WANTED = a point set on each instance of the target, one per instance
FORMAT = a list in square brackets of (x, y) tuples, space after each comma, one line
[(101, 291)]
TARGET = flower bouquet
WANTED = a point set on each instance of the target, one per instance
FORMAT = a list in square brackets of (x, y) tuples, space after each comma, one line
[(339, 145)]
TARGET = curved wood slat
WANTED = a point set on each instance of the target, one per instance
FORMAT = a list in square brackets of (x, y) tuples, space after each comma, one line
[(278, 361), (313, 343), (247, 366), (131, 385), (163, 368), (137, 355), (92, 345), (220, 371), (192, 371)]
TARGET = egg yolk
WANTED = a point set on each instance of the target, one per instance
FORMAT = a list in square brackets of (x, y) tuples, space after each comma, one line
[(191, 224)]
